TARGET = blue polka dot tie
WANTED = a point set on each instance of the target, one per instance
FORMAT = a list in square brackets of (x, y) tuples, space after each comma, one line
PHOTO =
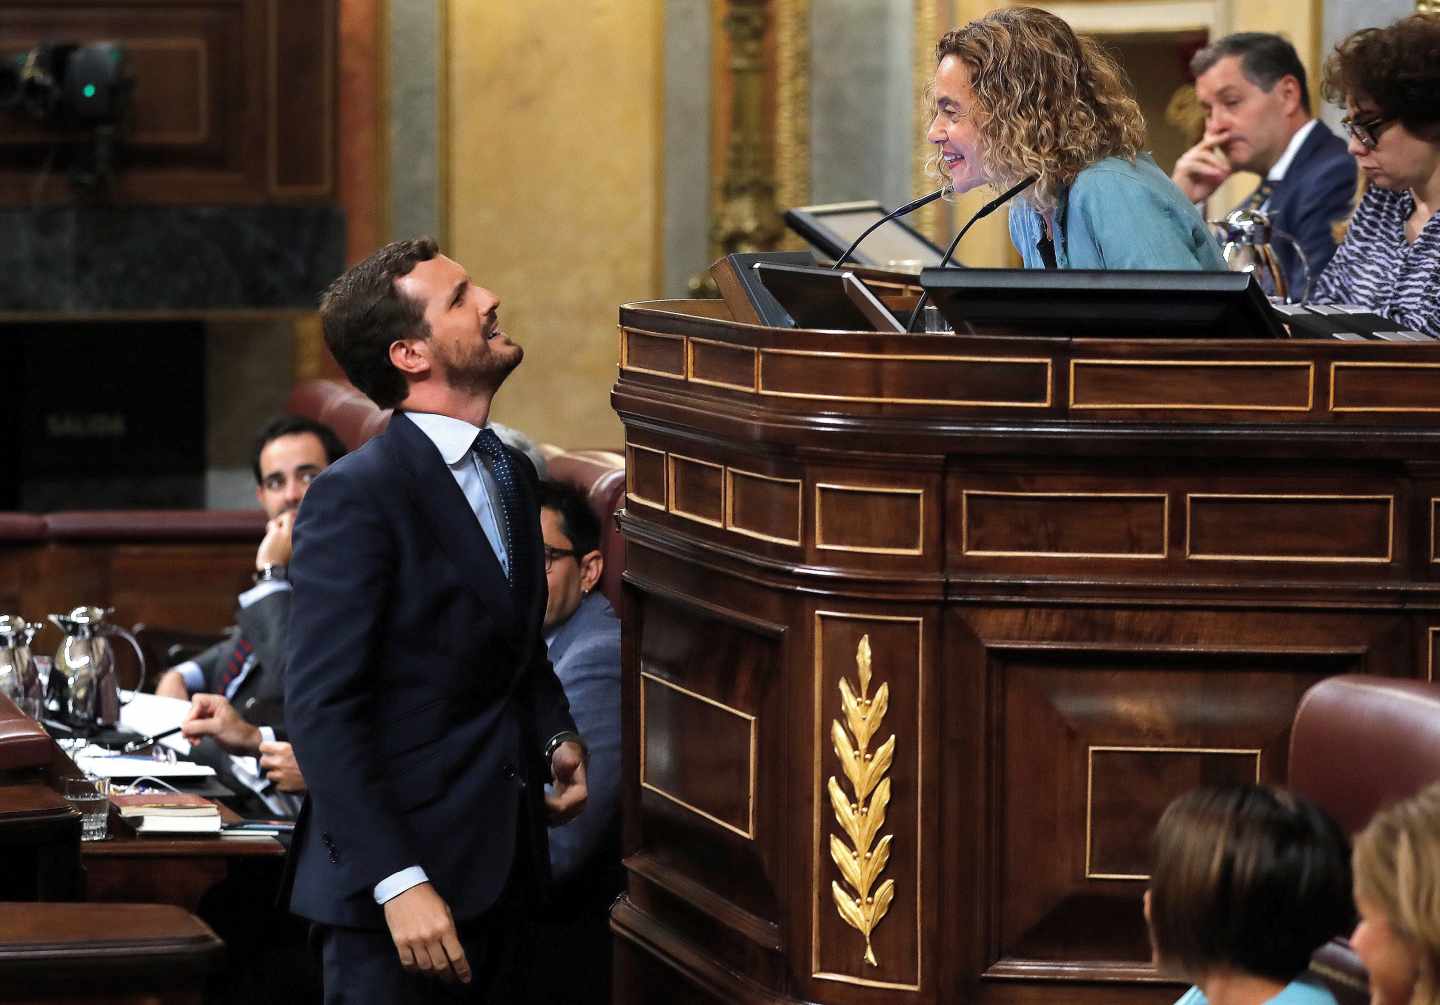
[(497, 459)]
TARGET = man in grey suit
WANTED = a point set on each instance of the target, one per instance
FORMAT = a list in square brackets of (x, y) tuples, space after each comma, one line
[(582, 634), (237, 685)]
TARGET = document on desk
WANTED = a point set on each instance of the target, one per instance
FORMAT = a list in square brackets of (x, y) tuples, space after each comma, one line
[(107, 764), (153, 714)]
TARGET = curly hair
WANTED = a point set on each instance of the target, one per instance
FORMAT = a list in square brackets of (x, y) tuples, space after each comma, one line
[(1396, 67), (1397, 867), (363, 314), (1049, 102)]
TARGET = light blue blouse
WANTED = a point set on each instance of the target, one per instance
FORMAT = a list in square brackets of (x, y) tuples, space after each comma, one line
[(1119, 215), (1303, 990)]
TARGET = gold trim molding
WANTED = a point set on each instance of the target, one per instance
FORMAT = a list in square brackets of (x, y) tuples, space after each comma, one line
[(753, 765), (862, 860), (822, 545), (1164, 498), (1090, 752), (819, 798), (1179, 406), (1388, 557)]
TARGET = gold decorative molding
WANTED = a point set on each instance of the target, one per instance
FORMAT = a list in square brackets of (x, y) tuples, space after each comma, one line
[(630, 494), (792, 104), (820, 356), (967, 494), (1337, 372), (817, 970), (1388, 500), (1090, 753), (863, 860), (832, 545), (1428, 6), (733, 473), (746, 217), (670, 491), (1303, 368), (748, 831)]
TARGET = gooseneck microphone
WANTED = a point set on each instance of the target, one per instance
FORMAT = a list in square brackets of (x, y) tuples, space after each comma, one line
[(984, 211), (909, 207)]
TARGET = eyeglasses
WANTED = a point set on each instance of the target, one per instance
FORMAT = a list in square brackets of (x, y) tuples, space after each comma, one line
[(1367, 131), (551, 554)]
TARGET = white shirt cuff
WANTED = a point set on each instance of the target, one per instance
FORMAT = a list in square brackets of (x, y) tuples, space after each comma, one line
[(392, 886), (192, 675), (262, 590)]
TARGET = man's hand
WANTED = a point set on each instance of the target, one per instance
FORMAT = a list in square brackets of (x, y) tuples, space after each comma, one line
[(275, 548), (277, 760), (566, 798), (213, 715), (424, 934), (172, 685), (1204, 167)]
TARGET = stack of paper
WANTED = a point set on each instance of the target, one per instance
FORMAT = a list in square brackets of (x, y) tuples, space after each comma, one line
[(169, 813)]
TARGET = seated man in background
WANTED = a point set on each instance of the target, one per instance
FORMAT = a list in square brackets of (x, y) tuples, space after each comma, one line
[(582, 635), (237, 684), (1257, 118)]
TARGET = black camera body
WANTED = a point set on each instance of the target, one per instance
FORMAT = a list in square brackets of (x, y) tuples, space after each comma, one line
[(68, 84)]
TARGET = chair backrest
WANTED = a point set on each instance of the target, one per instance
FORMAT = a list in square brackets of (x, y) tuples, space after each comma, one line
[(600, 474), (1358, 744)]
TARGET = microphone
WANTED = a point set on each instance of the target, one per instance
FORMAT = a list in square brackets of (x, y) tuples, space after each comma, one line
[(909, 207), (984, 211)]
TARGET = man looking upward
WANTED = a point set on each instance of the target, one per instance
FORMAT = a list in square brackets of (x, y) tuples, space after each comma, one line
[(1257, 118), (425, 715)]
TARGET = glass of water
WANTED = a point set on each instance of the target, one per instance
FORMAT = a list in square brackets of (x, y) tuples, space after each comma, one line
[(91, 796)]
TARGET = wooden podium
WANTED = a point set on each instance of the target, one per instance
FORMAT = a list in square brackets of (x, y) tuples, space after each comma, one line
[(922, 632)]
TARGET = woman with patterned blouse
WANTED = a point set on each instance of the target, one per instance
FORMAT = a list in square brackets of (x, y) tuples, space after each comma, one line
[(1389, 80)]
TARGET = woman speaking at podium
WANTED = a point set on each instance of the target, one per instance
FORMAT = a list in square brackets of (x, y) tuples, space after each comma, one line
[(1018, 94)]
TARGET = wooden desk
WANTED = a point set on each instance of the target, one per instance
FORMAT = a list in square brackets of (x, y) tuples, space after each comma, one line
[(174, 870), (1085, 576)]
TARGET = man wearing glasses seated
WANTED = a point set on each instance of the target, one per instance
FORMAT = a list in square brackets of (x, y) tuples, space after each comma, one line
[(582, 636)]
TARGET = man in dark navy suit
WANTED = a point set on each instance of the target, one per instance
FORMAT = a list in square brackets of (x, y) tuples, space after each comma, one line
[(425, 715), (1257, 118)]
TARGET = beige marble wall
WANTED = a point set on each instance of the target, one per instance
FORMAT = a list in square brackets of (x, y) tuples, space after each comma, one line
[(553, 142)]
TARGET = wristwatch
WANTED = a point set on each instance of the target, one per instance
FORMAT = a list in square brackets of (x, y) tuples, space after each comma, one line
[(271, 573), (567, 736)]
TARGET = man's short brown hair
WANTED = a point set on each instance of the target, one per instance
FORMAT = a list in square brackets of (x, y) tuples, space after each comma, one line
[(1246, 878), (364, 313)]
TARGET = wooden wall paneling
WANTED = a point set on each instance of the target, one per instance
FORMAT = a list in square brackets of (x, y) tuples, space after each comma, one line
[(710, 735), (234, 101), (302, 105), (1095, 726)]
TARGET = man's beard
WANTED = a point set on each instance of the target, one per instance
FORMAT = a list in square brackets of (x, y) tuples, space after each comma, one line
[(482, 372)]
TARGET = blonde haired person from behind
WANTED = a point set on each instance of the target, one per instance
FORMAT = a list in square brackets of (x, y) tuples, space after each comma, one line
[(1247, 882), (1017, 94), (1397, 891)]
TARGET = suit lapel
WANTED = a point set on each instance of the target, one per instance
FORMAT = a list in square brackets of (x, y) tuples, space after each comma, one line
[(447, 512)]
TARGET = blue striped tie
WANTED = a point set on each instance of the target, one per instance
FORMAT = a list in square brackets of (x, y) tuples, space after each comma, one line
[(497, 459)]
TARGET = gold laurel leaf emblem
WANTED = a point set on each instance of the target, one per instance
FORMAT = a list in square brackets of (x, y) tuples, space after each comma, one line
[(861, 812)]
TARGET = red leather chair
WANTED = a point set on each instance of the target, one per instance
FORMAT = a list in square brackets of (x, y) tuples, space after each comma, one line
[(600, 474), (1360, 743)]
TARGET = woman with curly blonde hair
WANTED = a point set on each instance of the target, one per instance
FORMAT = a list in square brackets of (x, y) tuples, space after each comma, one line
[(1018, 94), (1397, 891)]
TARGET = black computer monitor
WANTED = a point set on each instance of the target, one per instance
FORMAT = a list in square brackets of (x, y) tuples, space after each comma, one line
[(832, 228), (1105, 304), (827, 298)]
